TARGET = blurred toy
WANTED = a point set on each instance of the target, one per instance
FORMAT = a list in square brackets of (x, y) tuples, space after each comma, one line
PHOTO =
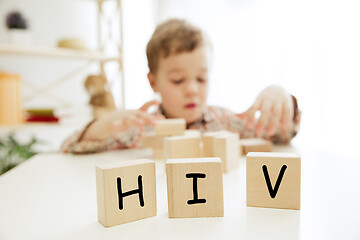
[(72, 43), (101, 98)]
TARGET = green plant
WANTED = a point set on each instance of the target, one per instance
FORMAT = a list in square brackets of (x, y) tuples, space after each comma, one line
[(13, 153)]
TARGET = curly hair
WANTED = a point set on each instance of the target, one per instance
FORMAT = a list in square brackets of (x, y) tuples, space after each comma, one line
[(173, 36)]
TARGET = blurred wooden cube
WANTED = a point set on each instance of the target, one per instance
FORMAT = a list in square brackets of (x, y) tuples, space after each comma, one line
[(207, 143), (172, 126), (254, 145), (226, 147), (182, 147)]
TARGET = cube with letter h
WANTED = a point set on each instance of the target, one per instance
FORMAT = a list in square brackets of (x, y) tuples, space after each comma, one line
[(273, 180), (195, 187), (126, 192)]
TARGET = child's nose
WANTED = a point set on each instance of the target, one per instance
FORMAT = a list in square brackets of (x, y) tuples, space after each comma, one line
[(192, 88)]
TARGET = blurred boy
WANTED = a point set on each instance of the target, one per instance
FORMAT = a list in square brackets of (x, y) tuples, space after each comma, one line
[(179, 60)]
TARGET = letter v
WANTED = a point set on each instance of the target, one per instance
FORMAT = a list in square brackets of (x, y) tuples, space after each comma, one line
[(274, 191)]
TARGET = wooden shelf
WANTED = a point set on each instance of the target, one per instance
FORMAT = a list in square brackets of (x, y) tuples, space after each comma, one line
[(56, 52)]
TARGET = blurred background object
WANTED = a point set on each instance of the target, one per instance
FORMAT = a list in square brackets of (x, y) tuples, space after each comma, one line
[(13, 152), (72, 43), (15, 20), (11, 110), (101, 99), (18, 29), (46, 115)]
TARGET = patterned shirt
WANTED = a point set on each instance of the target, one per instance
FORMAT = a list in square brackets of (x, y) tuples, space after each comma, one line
[(213, 119)]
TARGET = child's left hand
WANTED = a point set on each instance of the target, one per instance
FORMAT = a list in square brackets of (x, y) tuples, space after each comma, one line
[(276, 108)]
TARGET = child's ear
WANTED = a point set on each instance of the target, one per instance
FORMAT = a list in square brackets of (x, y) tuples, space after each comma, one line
[(152, 81)]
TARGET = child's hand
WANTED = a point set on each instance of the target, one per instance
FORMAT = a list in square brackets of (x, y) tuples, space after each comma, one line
[(120, 121), (276, 108), (125, 119)]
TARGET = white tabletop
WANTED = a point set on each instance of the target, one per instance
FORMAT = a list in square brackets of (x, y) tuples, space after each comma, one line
[(53, 196)]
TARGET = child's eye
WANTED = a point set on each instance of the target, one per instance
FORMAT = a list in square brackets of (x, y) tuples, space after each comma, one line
[(201, 80), (177, 81)]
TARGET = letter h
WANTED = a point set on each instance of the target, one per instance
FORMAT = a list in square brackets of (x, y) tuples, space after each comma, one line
[(135, 191)]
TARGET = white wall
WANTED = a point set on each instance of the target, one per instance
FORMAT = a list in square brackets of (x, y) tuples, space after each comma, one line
[(138, 27)]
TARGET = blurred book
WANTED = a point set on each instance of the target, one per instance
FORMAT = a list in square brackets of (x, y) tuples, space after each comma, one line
[(41, 115)]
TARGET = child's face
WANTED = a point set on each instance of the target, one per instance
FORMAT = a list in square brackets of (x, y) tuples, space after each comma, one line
[(182, 81)]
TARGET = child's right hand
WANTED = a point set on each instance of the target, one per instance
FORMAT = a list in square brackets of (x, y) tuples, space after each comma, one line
[(140, 118), (120, 121)]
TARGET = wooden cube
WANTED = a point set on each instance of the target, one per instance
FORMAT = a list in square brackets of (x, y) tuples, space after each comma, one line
[(158, 153), (182, 147), (194, 187), (254, 145), (151, 140), (192, 132), (226, 147), (172, 126), (207, 143), (126, 192), (155, 141), (273, 180)]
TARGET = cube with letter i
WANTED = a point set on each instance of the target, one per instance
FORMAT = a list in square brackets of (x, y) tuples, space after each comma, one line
[(273, 180), (126, 191), (194, 187)]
